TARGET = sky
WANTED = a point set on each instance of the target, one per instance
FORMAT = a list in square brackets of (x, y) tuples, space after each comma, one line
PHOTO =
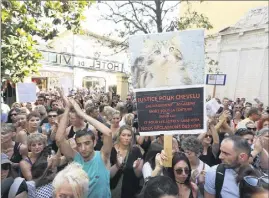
[(103, 27), (93, 24)]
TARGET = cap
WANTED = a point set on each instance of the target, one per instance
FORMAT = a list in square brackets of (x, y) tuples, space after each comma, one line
[(4, 159)]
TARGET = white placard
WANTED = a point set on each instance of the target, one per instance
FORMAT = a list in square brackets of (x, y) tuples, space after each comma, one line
[(65, 83), (212, 107), (26, 92)]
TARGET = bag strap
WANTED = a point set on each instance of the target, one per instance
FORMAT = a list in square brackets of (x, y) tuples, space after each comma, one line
[(220, 174), (15, 187)]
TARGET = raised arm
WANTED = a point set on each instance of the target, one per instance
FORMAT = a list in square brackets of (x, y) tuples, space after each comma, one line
[(107, 146), (63, 144), (215, 136)]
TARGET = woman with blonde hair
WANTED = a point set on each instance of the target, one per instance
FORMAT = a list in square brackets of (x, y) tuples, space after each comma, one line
[(112, 117), (36, 143), (126, 165), (72, 181)]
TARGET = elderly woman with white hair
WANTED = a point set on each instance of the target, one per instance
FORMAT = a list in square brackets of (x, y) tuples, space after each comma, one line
[(72, 181), (193, 148)]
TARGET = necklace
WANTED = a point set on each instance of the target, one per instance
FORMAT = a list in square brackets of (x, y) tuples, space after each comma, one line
[(179, 182)]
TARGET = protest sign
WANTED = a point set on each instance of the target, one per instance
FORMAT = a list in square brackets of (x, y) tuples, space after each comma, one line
[(167, 59), (26, 92), (162, 61), (66, 84), (171, 111)]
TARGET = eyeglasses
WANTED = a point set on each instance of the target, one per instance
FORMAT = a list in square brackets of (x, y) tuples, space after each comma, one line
[(180, 171), (13, 114), (52, 116), (253, 129), (5, 166), (255, 181), (208, 136)]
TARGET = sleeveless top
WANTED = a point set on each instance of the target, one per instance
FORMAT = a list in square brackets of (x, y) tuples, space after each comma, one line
[(28, 160), (16, 157), (72, 132), (98, 174)]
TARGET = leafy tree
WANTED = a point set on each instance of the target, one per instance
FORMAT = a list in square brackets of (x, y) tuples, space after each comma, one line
[(132, 17), (22, 20)]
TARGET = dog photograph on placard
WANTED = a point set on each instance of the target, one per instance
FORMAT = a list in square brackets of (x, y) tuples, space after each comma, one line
[(162, 61)]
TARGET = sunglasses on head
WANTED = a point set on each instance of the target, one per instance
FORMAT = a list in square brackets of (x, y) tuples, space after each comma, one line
[(253, 129), (5, 166), (255, 181), (179, 171), (52, 116)]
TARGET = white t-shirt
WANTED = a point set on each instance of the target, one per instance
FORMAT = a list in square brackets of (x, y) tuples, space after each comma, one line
[(200, 168), (147, 170), (122, 122)]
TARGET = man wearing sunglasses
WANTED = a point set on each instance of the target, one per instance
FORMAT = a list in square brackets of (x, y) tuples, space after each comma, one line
[(234, 152), (47, 127)]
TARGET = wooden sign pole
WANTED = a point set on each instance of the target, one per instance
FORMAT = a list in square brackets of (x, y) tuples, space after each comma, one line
[(168, 150)]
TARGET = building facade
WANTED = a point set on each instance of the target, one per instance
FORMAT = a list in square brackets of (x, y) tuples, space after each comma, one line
[(242, 54), (221, 13), (77, 61)]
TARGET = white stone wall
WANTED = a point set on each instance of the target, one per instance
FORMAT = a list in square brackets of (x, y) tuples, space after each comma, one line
[(242, 53), (244, 58)]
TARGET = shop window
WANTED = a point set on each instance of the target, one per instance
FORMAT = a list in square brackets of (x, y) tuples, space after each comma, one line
[(92, 82), (41, 83)]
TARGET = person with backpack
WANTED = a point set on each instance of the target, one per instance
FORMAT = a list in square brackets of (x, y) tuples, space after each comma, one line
[(220, 180)]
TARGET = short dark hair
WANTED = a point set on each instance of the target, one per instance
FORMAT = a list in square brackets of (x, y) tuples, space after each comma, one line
[(90, 110), (253, 110), (243, 131), (240, 144), (52, 101), (42, 96), (249, 103), (159, 186), (33, 114), (84, 132), (51, 110), (102, 107)]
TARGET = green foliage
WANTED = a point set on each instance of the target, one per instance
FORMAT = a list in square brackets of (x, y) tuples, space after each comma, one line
[(21, 20)]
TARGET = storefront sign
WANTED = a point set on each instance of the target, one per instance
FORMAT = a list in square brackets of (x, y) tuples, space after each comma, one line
[(171, 111), (80, 61)]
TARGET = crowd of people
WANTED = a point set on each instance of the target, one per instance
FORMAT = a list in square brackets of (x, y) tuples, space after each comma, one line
[(87, 144)]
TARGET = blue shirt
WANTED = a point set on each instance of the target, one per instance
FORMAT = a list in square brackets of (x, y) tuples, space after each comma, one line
[(98, 174), (230, 187)]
